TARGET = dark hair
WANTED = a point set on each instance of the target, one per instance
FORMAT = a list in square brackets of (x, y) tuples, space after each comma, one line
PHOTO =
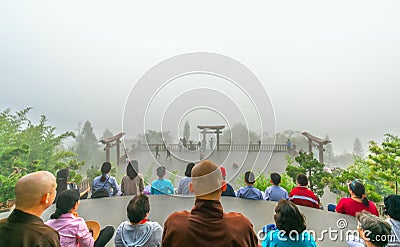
[(65, 202), (161, 171), (276, 178), (392, 206), (376, 227), (189, 168), (289, 218), (62, 180), (105, 168), (132, 169), (249, 177), (302, 179), (137, 208), (359, 190)]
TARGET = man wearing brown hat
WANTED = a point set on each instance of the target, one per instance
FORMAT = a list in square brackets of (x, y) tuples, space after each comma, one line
[(206, 224)]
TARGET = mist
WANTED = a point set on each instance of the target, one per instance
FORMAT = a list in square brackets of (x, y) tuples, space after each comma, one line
[(328, 67)]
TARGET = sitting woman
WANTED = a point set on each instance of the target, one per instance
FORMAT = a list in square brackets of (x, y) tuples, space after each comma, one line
[(105, 182), (72, 228), (64, 184), (357, 201), (392, 210), (291, 226), (132, 183), (183, 187)]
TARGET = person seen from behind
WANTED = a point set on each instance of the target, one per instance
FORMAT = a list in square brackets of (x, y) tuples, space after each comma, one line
[(250, 192), (372, 231), (183, 187), (301, 195), (132, 183), (275, 192), (207, 224), (161, 185), (357, 201), (291, 228), (138, 231), (34, 193), (105, 181), (392, 211), (72, 228)]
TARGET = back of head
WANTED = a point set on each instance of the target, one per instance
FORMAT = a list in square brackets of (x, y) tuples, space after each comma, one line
[(105, 168), (62, 180), (30, 189), (359, 190), (138, 208), (207, 179), (161, 171), (132, 169), (288, 217), (374, 227), (276, 178), (188, 171), (65, 202), (392, 206), (249, 177), (302, 180)]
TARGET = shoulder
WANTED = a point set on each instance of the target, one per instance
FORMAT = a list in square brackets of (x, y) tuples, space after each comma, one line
[(237, 218), (155, 225), (345, 200), (177, 216)]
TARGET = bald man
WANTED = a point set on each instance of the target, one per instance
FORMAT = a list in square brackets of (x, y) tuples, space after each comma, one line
[(34, 193), (206, 224)]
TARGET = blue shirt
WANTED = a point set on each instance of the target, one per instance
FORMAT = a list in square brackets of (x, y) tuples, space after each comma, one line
[(275, 193), (161, 186), (249, 192), (108, 184), (183, 187), (276, 239)]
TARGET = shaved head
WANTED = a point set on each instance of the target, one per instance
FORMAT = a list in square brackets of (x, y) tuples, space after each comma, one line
[(207, 179), (31, 188)]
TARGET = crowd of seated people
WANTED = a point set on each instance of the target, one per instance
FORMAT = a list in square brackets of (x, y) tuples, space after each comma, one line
[(35, 192)]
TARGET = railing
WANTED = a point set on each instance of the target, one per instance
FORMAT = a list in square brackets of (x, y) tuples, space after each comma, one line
[(222, 147)]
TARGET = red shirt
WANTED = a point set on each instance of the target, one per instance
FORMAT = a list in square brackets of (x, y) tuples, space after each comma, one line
[(301, 195), (351, 207)]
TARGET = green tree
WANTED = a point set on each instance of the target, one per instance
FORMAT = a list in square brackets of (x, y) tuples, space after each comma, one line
[(26, 147), (357, 148), (310, 166), (384, 160), (361, 171), (87, 147), (153, 137), (186, 131)]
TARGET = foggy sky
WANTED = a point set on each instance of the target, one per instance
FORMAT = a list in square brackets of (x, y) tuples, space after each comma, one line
[(329, 67)]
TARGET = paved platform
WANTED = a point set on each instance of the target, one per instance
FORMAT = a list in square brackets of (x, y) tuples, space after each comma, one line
[(112, 211)]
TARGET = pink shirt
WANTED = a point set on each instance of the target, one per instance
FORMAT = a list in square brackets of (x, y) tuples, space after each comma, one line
[(351, 207), (73, 231)]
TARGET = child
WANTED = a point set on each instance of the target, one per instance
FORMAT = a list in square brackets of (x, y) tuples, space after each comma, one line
[(249, 192), (275, 192)]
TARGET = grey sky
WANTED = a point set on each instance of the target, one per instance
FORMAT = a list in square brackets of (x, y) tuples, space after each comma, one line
[(329, 67)]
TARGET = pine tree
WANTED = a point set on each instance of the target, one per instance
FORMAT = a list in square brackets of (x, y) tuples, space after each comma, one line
[(87, 147), (357, 148), (329, 155), (106, 134)]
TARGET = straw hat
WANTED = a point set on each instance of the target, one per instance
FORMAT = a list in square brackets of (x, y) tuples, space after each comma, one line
[(94, 228)]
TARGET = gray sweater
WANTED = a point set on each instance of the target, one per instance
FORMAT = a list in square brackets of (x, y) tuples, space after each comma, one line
[(395, 238), (148, 234)]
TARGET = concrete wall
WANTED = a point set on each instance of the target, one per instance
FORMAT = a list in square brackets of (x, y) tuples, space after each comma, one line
[(112, 211)]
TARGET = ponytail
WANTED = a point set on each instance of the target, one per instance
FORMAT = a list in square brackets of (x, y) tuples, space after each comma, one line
[(57, 214), (365, 201), (103, 177), (105, 168)]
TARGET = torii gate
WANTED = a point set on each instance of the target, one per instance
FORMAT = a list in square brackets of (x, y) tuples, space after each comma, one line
[(109, 144), (319, 142), (205, 130)]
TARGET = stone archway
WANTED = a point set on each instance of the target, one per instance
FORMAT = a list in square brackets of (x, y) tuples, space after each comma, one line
[(210, 129), (111, 142)]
